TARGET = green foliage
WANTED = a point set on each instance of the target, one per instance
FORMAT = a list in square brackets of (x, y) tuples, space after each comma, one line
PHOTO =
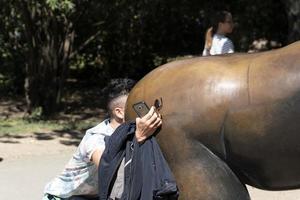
[(61, 5), (11, 50), (20, 126), (259, 20), (36, 114), (24, 126), (95, 41)]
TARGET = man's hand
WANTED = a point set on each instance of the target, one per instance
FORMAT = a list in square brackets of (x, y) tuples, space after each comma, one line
[(147, 125)]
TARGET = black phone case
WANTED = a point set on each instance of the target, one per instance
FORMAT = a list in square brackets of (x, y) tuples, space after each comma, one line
[(141, 108)]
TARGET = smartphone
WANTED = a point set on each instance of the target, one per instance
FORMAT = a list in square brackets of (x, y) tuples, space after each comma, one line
[(141, 108)]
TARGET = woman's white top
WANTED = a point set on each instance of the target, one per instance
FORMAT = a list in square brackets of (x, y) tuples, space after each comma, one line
[(220, 45)]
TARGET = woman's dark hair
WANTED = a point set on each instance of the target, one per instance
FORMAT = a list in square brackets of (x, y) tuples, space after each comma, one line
[(218, 17)]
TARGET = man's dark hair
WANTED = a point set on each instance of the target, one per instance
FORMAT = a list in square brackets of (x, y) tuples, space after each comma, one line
[(117, 88)]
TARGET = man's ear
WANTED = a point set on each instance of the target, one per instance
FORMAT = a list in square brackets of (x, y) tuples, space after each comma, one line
[(119, 113)]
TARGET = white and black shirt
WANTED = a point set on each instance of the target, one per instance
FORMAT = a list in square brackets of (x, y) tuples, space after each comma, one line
[(220, 45)]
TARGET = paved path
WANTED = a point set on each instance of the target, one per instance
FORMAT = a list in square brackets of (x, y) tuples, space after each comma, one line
[(25, 177), (257, 194)]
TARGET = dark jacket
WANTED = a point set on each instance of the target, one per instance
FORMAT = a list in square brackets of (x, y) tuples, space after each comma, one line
[(147, 176)]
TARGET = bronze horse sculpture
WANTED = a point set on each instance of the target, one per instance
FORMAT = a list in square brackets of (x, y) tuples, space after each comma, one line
[(228, 121)]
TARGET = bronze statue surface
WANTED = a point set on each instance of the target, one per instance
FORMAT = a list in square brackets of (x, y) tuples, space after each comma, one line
[(228, 121)]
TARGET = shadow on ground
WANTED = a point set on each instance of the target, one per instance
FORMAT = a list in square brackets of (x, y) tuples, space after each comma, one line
[(82, 108), (64, 137)]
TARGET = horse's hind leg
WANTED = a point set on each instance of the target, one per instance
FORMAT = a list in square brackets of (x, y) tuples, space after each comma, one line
[(201, 175)]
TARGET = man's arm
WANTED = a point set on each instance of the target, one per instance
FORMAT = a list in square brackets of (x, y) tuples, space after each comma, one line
[(145, 127), (96, 156)]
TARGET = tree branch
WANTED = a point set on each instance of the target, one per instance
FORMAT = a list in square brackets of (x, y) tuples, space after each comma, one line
[(84, 44)]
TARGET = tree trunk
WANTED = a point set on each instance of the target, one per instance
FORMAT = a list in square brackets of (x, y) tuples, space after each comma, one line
[(50, 44), (32, 89), (43, 81), (292, 8)]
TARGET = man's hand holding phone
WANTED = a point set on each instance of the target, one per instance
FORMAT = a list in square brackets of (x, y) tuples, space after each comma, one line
[(147, 125)]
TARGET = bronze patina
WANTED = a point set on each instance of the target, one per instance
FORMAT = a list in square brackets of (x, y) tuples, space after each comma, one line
[(228, 121)]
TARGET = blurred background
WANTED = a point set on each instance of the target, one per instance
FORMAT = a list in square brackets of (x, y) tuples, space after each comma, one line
[(54, 50), (58, 56)]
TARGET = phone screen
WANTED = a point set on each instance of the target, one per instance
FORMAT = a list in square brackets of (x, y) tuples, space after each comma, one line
[(141, 108)]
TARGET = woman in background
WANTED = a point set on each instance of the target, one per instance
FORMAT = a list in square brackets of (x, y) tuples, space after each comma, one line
[(216, 41)]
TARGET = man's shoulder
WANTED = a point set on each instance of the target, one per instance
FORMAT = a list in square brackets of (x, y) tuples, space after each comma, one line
[(101, 128)]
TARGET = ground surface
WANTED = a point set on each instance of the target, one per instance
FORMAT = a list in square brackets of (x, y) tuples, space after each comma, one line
[(28, 164)]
